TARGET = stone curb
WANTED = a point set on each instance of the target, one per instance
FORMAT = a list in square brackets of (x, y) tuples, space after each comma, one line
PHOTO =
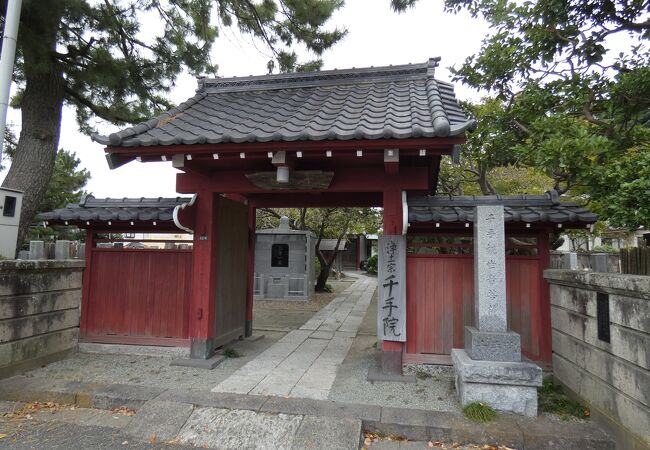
[(416, 425)]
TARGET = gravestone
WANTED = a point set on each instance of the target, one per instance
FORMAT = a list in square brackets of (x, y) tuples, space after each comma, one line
[(81, 251), (62, 249), (570, 261), (490, 369), (23, 254), (36, 250), (599, 262)]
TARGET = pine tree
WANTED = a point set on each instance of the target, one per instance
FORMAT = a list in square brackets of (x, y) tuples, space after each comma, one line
[(97, 57)]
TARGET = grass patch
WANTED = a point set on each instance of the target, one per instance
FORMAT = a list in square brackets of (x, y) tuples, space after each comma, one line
[(422, 375), (552, 399), (479, 412), (231, 353)]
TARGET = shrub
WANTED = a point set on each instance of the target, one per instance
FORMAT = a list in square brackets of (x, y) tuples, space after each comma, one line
[(552, 399), (231, 353), (371, 265), (479, 412)]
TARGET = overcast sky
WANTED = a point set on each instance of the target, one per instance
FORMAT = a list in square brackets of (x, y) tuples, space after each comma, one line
[(376, 36)]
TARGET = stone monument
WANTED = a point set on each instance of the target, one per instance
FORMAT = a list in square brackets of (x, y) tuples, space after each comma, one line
[(490, 368)]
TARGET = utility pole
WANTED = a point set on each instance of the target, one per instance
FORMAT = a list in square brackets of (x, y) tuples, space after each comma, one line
[(9, 38)]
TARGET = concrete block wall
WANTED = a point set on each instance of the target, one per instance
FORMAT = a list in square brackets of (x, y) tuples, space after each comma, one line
[(39, 312), (613, 377)]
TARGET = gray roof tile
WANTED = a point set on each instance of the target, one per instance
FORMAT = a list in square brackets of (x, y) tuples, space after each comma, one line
[(545, 208), (120, 209), (395, 102)]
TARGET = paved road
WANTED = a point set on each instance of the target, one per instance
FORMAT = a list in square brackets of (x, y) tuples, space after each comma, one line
[(304, 362)]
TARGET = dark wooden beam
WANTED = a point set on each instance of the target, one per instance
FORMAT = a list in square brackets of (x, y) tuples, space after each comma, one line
[(441, 145), (345, 180)]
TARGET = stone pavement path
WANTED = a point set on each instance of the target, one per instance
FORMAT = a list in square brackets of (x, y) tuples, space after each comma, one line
[(304, 362)]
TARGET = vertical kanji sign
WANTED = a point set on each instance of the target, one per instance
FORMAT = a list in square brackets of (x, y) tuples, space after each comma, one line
[(391, 289)]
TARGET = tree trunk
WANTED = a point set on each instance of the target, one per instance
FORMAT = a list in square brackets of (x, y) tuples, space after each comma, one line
[(324, 274), (484, 183), (33, 163)]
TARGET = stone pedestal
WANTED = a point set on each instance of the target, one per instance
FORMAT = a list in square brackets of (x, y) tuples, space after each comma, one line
[(505, 386), (492, 345)]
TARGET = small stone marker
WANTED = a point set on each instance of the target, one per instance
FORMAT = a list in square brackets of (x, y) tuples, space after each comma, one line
[(23, 254), (81, 251), (36, 250), (62, 249), (49, 250)]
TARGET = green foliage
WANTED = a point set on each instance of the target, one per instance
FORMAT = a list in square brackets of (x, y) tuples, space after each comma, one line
[(327, 288), (604, 249), (67, 182), (65, 186), (561, 102), (479, 412), (551, 399), (317, 266), (116, 69), (231, 353), (371, 264)]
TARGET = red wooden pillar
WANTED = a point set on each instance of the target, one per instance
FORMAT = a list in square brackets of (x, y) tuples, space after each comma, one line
[(546, 350), (391, 355), (251, 270), (204, 267), (85, 291)]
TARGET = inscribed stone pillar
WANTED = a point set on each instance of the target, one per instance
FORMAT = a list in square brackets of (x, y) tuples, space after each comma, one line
[(490, 339), (489, 269)]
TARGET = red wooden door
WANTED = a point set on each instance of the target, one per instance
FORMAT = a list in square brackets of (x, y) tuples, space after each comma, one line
[(138, 296), (440, 302)]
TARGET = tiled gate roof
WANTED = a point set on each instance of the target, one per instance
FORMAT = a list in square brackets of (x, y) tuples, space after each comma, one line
[(395, 102), (116, 209), (517, 208)]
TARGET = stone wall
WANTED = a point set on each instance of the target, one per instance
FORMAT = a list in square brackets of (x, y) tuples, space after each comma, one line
[(39, 312), (608, 366)]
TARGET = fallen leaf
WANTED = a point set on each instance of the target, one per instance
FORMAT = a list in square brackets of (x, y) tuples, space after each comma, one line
[(2, 435), (153, 439)]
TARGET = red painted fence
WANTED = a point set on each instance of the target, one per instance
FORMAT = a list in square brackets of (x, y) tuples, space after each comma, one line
[(137, 296), (440, 301)]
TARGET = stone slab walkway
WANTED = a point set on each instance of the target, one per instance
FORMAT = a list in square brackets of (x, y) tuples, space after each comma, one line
[(175, 419), (303, 363)]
